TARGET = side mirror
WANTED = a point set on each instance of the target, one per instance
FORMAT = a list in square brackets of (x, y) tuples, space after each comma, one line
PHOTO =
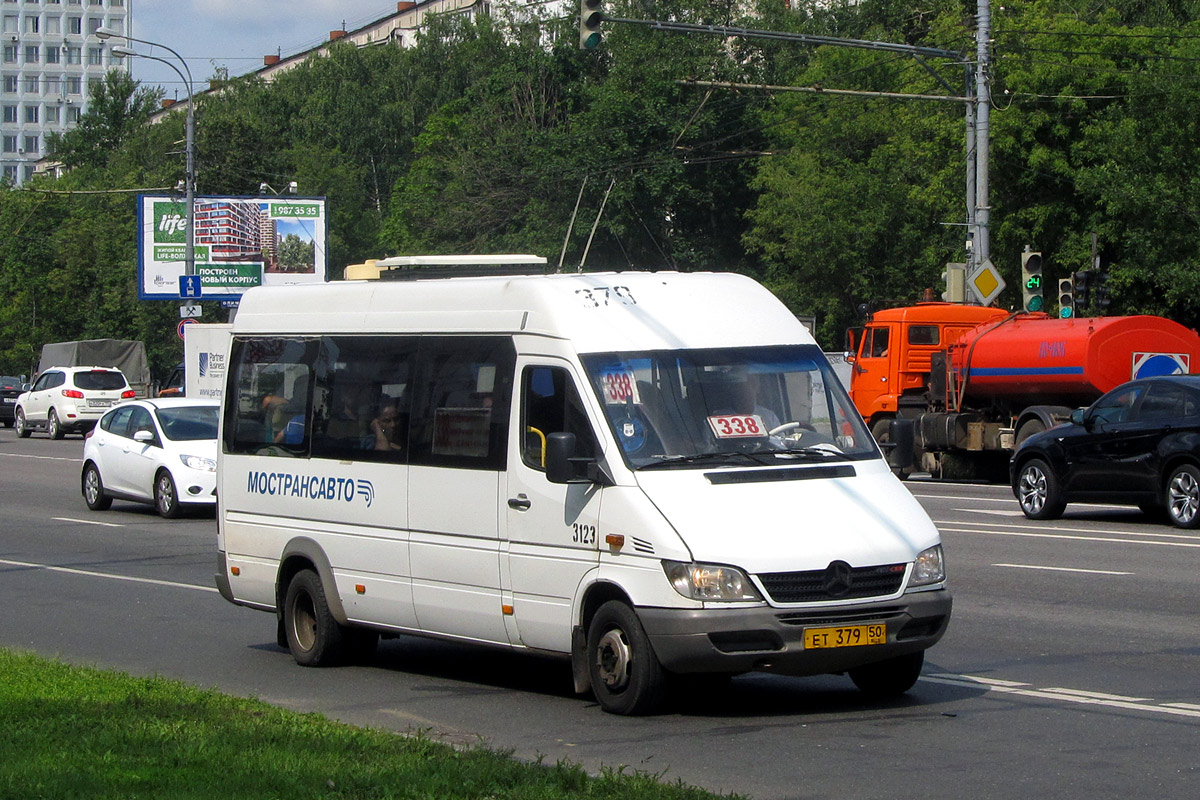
[(1077, 416), (560, 451), (901, 438), (145, 437), (563, 466)]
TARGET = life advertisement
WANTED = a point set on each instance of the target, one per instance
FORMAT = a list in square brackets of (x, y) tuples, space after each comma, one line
[(239, 243)]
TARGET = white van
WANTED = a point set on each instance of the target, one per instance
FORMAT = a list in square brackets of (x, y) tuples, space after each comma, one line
[(652, 474)]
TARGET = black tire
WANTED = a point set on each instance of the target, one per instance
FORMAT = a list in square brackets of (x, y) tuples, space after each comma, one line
[(22, 425), (881, 430), (1030, 427), (93, 489), (627, 677), (166, 496), (1183, 497), (884, 680), (8, 423), (53, 426), (313, 636), (1038, 492)]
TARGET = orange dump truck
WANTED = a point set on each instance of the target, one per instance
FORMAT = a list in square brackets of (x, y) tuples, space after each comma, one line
[(977, 381)]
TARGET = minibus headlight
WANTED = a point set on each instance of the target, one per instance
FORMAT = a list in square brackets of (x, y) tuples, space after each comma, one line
[(710, 582), (929, 567), (200, 463)]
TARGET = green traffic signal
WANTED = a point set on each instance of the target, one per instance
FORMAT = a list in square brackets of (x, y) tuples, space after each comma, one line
[(591, 14)]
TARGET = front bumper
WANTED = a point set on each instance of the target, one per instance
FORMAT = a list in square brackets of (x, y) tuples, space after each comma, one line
[(766, 639)]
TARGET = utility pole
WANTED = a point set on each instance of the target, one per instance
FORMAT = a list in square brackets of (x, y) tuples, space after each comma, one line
[(983, 104)]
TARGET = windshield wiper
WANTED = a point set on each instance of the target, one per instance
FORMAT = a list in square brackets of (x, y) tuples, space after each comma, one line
[(821, 451), (725, 457)]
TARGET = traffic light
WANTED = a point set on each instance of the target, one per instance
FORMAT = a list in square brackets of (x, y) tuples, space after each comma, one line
[(591, 14), (1083, 290), (1100, 292), (1031, 281), (1066, 297), (955, 277)]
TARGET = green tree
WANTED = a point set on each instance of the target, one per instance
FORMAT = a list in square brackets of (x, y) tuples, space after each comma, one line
[(117, 106)]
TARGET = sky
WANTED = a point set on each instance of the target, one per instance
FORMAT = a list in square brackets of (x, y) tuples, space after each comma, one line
[(236, 34)]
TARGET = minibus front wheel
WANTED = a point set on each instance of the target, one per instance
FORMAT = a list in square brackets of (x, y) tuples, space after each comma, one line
[(627, 677), (313, 635)]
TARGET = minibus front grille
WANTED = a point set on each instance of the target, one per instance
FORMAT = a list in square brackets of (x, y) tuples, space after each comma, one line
[(818, 585), (848, 617)]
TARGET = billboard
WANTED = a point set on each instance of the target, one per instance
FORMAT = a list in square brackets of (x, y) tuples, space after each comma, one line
[(240, 242)]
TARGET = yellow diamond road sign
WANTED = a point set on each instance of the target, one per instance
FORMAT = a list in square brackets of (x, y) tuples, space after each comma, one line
[(985, 283)]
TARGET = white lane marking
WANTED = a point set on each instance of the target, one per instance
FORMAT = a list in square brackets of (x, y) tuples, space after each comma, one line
[(109, 575), (1176, 533), (1101, 695), (89, 522), (995, 512), (1063, 569), (43, 458), (1006, 498), (1067, 695), (1075, 538)]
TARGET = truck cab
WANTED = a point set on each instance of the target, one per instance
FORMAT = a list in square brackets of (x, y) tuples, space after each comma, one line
[(890, 356)]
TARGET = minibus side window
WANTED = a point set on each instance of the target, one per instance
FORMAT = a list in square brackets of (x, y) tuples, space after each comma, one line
[(268, 396), (550, 404), (363, 397), (461, 398)]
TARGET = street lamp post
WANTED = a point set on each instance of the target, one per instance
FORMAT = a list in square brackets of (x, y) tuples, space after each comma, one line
[(189, 252)]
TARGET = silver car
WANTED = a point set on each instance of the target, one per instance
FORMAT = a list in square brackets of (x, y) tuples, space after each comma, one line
[(69, 400)]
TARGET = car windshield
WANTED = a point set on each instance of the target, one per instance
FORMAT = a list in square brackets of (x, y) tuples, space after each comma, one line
[(99, 379), (188, 423), (9, 382), (737, 406)]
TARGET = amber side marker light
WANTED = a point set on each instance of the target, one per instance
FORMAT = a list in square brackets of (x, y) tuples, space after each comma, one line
[(235, 571), (616, 540)]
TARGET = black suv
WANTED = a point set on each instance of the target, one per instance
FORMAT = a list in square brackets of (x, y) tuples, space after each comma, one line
[(1138, 445)]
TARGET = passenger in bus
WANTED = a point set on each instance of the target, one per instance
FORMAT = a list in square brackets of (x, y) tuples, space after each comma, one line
[(385, 434)]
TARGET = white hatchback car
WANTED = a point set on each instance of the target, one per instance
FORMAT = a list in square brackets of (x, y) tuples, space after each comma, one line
[(69, 400), (161, 451)]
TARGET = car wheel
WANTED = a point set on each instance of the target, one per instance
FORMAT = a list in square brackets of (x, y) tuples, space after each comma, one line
[(22, 426), (627, 677), (1038, 492), (166, 499), (93, 490), (891, 678), (313, 635), (1183, 497), (53, 426)]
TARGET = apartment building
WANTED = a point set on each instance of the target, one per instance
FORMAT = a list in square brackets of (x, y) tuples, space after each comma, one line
[(49, 59)]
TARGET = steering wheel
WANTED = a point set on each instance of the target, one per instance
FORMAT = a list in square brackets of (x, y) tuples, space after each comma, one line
[(790, 426)]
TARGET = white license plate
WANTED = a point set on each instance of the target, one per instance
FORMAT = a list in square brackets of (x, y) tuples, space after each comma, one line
[(11, 400), (99, 403)]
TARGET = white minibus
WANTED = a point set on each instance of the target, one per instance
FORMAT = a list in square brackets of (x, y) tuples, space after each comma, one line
[(651, 475)]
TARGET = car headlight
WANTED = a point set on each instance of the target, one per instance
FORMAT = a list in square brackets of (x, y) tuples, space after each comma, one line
[(929, 567), (710, 582), (199, 463)]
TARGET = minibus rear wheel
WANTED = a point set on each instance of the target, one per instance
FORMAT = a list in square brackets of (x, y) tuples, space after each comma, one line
[(884, 680), (627, 677), (313, 635)]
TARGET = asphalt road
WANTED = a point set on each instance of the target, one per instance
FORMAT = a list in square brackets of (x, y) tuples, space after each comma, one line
[(1071, 668)]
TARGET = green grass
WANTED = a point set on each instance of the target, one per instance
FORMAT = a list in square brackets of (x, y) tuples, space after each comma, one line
[(71, 732)]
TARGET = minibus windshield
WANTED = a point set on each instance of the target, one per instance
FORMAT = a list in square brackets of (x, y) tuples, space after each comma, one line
[(727, 406)]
